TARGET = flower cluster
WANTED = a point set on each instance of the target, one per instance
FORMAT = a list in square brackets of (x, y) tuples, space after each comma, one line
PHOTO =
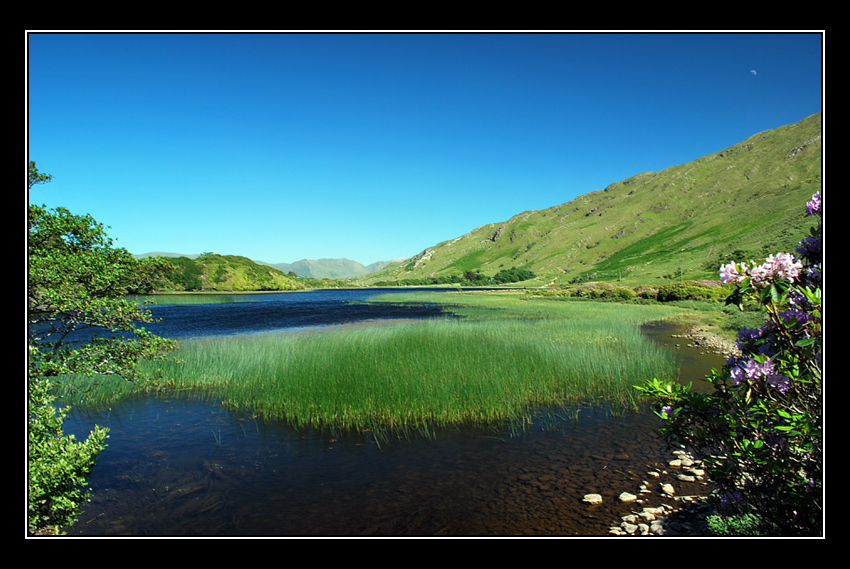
[(752, 370), (813, 207), (779, 266), (783, 265)]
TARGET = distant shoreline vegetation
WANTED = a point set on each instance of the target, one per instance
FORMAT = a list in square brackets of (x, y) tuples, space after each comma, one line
[(468, 278)]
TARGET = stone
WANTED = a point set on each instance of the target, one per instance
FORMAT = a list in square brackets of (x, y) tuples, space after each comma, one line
[(627, 497), (592, 498), (686, 478), (668, 489)]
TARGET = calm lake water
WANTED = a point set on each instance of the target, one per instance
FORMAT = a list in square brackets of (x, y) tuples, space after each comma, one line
[(178, 466)]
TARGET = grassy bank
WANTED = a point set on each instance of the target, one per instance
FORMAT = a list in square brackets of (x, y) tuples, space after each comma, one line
[(505, 355)]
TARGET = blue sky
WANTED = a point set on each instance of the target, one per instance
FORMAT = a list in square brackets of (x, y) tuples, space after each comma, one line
[(281, 147)]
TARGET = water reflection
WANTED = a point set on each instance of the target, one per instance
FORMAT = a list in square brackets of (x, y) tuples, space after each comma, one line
[(275, 312), (181, 467)]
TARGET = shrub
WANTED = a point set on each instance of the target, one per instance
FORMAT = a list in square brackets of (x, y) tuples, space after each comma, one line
[(760, 432), (691, 291), (58, 464)]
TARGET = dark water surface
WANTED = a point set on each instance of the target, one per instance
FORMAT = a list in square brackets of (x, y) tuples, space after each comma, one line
[(284, 311), (182, 467)]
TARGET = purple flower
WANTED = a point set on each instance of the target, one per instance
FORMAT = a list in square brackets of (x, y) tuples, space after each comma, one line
[(814, 207), (731, 499), (748, 337), (666, 411), (755, 370), (780, 382), (796, 316), (737, 375), (810, 248)]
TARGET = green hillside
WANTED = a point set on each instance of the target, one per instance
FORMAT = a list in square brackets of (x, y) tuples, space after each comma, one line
[(680, 223), (211, 272)]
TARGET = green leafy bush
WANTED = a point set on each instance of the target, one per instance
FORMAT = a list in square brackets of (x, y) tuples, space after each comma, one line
[(760, 433), (691, 291), (58, 464)]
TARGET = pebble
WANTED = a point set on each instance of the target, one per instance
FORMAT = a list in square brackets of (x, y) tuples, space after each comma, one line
[(708, 340), (592, 498), (667, 518), (626, 497)]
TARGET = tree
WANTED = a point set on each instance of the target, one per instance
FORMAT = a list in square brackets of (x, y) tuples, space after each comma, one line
[(80, 321)]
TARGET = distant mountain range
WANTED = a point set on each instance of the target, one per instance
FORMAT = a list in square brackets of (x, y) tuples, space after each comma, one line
[(329, 268), (307, 268), (745, 201)]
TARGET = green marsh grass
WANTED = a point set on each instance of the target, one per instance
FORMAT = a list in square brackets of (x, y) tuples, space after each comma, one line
[(194, 298), (503, 356)]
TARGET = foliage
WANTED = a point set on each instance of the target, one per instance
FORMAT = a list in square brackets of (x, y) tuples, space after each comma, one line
[(687, 290), (79, 321), (595, 291), (760, 431), (186, 275), (469, 278), (58, 464), (744, 525), (690, 291), (513, 275)]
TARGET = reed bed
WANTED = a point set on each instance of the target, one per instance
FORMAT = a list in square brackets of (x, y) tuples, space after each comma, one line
[(505, 356), (193, 298)]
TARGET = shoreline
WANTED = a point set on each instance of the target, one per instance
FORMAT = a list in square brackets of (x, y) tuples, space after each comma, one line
[(704, 338), (658, 510)]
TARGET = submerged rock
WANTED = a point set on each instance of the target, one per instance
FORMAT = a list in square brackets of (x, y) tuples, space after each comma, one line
[(627, 497), (592, 498)]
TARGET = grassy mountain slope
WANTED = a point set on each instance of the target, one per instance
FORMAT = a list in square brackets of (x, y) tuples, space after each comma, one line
[(683, 222), (211, 272)]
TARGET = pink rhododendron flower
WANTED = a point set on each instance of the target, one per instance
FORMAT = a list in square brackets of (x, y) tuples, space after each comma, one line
[(784, 266), (729, 273), (814, 207)]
